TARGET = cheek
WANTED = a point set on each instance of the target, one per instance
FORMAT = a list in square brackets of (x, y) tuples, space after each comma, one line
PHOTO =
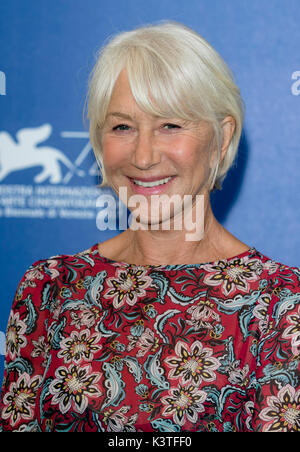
[(113, 154), (191, 157)]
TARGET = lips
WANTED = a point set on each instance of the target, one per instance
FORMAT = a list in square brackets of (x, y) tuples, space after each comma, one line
[(153, 183), (150, 185), (151, 178)]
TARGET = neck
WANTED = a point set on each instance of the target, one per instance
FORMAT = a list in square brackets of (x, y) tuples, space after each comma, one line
[(171, 247)]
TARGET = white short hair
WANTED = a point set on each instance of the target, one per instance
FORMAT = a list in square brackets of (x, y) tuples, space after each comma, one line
[(185, 76)]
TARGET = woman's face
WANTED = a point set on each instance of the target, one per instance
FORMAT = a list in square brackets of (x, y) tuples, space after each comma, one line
[(139, 150)]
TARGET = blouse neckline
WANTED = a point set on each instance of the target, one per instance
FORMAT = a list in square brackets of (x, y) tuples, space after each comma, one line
[(95, 251)]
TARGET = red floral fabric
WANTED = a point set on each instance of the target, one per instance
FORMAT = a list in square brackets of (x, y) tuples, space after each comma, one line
[(99, 345)]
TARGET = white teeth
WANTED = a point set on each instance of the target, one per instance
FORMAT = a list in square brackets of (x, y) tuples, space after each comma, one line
[(153, 183)]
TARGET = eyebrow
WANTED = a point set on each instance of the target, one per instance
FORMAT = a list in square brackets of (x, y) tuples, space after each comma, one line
[(118, 114)]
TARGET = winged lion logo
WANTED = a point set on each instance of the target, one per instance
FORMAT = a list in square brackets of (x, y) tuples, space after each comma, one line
[(25, 153)]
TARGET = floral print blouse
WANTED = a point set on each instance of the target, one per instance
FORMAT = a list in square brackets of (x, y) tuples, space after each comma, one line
[(99, 345)]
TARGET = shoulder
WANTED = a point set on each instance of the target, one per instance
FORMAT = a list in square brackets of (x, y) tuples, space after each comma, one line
[(52, 266), (54, 271), (278, 308), (280, 283), (286, 277), (282, 275), (284, 288)]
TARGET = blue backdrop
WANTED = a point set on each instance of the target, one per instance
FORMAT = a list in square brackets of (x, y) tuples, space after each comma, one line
[(48, 175)]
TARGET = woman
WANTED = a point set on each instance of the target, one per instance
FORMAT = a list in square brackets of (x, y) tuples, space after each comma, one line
[(151, 331)]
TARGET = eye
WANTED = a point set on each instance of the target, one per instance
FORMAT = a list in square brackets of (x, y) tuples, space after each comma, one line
[(121, 127), (170, 126)]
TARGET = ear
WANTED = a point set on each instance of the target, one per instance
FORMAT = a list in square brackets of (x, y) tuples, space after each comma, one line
[(228, 126)]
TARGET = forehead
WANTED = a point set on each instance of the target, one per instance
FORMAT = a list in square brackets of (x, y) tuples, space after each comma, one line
[(123, 103), (122, 80), (135, 95), (122, 90)]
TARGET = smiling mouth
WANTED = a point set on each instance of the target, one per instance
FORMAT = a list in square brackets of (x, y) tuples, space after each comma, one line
[(151, 183)]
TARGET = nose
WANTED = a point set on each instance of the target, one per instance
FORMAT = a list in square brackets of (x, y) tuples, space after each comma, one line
[(145, 153)]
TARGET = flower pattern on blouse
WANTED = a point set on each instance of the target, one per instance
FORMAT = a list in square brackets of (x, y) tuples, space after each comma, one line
[(99, 345)]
